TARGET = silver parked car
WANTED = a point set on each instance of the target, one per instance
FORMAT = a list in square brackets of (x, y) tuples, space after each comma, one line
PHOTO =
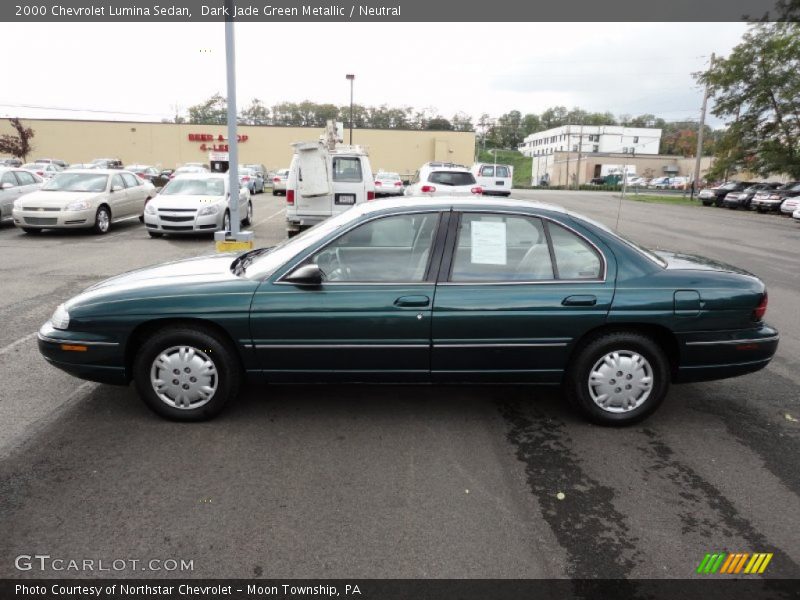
[(279, 182), (83, 199), (194, 203), (14, 183)]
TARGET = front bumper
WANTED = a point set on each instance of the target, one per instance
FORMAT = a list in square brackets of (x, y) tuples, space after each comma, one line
[(53, 218), (767, 204), (83, 355), (166, 222), (706, 356)]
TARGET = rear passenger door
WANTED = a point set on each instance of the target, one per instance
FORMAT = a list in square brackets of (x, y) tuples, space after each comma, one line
[(515, 292), (118, 198), (136, 194)]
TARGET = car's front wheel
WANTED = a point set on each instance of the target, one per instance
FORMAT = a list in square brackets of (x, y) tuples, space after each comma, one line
[(102, 220), (618, 378), (186, 374)]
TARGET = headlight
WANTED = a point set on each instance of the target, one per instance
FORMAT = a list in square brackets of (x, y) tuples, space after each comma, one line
[(208, 210), (60, 318), (78, 205), (18, 203), (149, 209)]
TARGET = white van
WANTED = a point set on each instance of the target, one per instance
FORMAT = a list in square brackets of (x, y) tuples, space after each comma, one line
[(323, 183), (495, 180)]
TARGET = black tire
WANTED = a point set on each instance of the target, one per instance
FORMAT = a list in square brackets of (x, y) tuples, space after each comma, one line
[(102, 220), (274, 192), (32, 230), (576, 383), (227, 378), (247, 221), (155, 234), (706, 203)]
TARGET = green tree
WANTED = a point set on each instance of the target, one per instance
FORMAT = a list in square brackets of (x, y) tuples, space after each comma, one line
[(18, 145), (213, 111), (509, 129), (758, 87), (462, 122), (255, 114)]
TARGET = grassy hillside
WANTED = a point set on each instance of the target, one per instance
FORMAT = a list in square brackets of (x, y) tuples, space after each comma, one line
[(521, 164)]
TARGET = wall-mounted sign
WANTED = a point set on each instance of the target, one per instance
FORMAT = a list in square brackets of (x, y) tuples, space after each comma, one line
[(217, 144)]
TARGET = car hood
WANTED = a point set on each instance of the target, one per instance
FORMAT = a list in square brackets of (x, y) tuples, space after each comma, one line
[(42, 198), (693, 262), (201, 269), (184, 201)]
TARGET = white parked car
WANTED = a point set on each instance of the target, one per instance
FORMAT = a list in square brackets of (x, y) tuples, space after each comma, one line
[(197, 202), (444, 181), (659, 183), (388, 184), (189, 170), (790, 205), (494, 180), (796, 215), (43, 170), (279, 182), (93, 198), (14, 183)]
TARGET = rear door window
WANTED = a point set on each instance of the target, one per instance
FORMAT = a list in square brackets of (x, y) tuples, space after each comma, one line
[(347, 169), (130, 180), (503, 172), (452, 178), (487, 171), (25, 178)]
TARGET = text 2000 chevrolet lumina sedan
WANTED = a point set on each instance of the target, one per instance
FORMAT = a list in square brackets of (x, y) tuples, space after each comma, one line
[(422, 290)]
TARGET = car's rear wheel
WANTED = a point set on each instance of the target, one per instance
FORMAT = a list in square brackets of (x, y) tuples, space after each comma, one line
[(186, 374), (248, 219), (102, 220), (226, 221), (274, 192), (618, 378)]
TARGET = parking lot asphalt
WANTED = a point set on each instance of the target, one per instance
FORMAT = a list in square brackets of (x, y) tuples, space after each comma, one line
[(398, 481)]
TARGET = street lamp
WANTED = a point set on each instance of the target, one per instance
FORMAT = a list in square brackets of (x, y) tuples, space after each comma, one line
[(351, 78)]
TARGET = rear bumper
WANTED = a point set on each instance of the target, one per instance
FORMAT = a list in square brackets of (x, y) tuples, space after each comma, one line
[(718, 355)]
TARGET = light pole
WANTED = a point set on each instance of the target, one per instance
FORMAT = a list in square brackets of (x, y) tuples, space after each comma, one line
[(351, 78)]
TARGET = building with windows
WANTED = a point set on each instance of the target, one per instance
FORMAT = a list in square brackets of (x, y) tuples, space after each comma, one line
[(611, 139)]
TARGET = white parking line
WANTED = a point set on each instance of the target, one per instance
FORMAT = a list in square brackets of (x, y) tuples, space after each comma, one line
[(19, 342), (272, 216)]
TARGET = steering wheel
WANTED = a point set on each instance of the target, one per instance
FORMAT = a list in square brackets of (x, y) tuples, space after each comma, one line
[(338, 270)]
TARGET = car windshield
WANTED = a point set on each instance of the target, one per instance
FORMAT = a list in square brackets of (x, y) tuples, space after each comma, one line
[(391, 176), (194, 187), (452, 178), (729, 186), (641, 249), (77, 182)]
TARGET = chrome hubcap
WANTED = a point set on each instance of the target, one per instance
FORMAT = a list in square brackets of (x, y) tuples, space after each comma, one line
[(226, 222), (184, 377), (102, 220), (249, 211), (620, 381)]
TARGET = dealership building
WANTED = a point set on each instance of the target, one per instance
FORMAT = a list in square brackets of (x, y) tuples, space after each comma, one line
[(169, 145)]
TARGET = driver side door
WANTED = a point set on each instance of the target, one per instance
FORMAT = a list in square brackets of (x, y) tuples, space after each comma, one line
[(369, 319)]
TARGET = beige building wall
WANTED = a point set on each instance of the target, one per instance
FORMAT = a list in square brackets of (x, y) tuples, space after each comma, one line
[(167, 144), (564, 167)]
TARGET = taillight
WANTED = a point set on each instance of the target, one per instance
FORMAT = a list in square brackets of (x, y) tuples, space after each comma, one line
[(370, 196), (40, 173), (427, 189), (477, 190), (761, 309), (289, 196), (245, 178), (276, 179), (378, 183), (398, 184)]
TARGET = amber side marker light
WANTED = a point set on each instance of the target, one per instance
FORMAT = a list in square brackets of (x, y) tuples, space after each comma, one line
[(73, 348)]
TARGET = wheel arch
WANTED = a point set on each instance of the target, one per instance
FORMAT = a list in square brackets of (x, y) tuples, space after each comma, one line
[(142, 331), (662, 336)]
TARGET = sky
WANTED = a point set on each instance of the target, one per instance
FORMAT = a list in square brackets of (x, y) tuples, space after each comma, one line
[(145, 71)]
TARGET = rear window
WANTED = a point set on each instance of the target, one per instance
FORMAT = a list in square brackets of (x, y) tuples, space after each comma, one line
[(503, 172), (347, 169), (452, 178)]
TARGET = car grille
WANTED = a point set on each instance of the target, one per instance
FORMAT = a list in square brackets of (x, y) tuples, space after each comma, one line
[(40, 221), (172, 219), (42, 208), (177, 227), (183, 210)]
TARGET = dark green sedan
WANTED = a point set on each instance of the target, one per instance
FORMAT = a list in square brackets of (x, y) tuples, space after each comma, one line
[(422, 290)]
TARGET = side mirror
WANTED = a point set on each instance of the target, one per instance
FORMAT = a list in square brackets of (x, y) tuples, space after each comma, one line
[(309, 274), (6, 186), (116, 188)]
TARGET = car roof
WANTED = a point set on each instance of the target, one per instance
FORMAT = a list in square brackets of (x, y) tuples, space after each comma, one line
[(412, 202)]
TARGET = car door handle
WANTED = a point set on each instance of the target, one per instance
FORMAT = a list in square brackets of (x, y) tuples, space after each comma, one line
[(412, 301), (587, 300)]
